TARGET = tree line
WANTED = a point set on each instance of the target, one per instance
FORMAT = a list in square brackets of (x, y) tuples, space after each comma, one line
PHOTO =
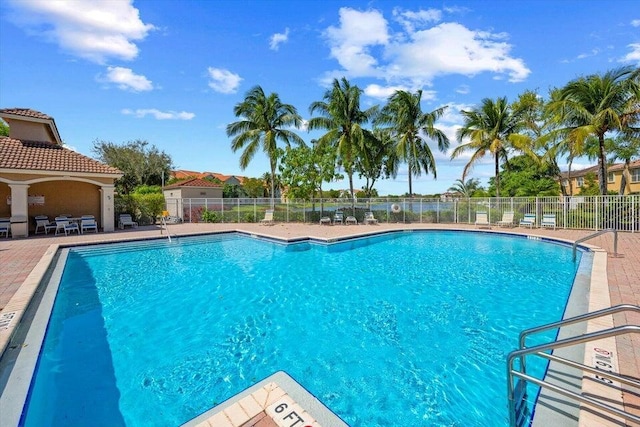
[(573, 121), (596, 116)]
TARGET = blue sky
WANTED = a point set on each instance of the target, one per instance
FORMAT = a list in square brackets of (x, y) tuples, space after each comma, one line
[(170, 72)]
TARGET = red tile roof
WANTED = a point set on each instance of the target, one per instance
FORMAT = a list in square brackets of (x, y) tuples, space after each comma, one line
[(184, 174), (26, 112), (33, 155), (610, 168), (194, 182)]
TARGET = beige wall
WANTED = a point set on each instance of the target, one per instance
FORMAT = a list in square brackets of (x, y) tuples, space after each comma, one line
[(60, 197), (611, 185), (193, 193), (30, 131)]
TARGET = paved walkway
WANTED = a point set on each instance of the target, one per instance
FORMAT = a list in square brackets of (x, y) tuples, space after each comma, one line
[(18, 257)]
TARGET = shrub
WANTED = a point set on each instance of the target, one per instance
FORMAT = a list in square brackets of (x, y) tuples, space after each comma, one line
[(210, 216)]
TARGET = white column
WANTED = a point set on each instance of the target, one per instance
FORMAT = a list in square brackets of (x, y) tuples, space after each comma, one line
[(20, 210), (107, 207)]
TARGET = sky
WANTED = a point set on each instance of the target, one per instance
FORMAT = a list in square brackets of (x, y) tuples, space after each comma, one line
[(170, 72)]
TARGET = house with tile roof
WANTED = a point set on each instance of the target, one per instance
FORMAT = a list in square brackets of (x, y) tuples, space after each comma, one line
[(194, 191), (573, 182), (225, 179), (39, 176)]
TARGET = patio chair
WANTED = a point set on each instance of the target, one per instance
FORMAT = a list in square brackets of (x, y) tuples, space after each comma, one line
[(369, 218), (325, 220), (268, 218), (529, 220), (351, 220), (124, 220), (507, 219), (43, 225), (548, 221), (63, 224), (482, 220), (338, 217), (88, 222), (5, 226)]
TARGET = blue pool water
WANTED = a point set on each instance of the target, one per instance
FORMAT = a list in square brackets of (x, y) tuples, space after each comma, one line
[(409, 328)]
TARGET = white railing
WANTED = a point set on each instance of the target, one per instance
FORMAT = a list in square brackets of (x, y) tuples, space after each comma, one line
[(578, 212)]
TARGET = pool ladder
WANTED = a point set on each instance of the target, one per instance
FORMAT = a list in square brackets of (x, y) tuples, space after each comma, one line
[(517, 396), (164, 227)]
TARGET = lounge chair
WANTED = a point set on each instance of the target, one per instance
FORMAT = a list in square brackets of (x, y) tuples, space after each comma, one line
[(529, 220), (338, 217), (43, 224), (5, 226), (88, 222), (351, 220), (325, 220), (507, 219), (268, 218), (482, 220), (548, 220), (369, 218), (124, 220), (64, 224)]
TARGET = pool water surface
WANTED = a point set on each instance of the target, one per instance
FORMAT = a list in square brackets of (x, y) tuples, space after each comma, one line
[(403, 328)]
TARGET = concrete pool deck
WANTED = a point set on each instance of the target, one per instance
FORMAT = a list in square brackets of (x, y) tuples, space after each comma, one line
[(23, 262)]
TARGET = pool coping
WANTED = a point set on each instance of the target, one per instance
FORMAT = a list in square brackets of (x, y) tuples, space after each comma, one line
[(20, 302)]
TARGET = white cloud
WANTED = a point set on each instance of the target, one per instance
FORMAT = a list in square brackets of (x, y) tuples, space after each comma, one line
[(126, 79), (593, 52), (159, 115), (634, 55), (463, 89), (351, 42), (223, 81), (278, 38), (636, 22), (410, 20), (364, 46), (91, 29), (382, 92)]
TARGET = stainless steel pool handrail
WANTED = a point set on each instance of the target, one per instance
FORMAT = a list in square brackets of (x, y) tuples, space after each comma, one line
[(539, 350), (164, 225), (591, 236)]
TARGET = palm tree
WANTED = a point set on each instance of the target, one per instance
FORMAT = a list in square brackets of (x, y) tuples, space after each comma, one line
[(341, 117), (264, 122), (598, 104), (408, 123), (492, 128), (465, 188)]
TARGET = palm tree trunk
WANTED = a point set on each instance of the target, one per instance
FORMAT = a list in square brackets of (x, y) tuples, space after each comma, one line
[(602, 162), (410, 184), (497, 171), (273, 184), (626, 178)]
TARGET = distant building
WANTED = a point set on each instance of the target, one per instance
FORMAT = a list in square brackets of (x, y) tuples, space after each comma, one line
[(614, 178), (183, 174), (194, 189)]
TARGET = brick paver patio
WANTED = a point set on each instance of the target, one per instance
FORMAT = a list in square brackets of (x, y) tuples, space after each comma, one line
[(18, 257)]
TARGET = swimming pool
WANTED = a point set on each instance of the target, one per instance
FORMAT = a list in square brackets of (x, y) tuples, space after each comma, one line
[(404, 327)]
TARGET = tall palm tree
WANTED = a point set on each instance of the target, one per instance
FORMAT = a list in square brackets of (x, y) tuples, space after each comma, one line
[(340, 115), (264, 121), (407, 125), (490, 128), (598, 104)]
